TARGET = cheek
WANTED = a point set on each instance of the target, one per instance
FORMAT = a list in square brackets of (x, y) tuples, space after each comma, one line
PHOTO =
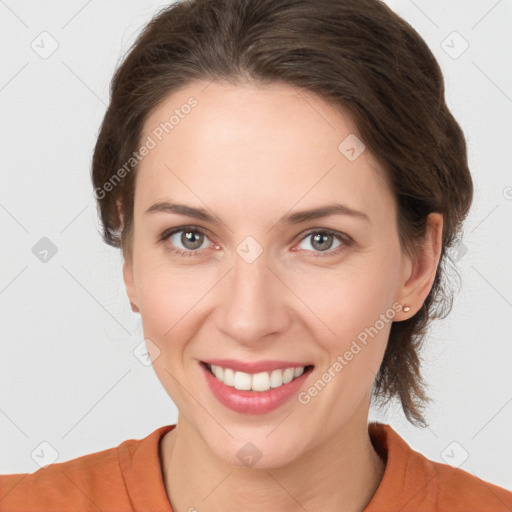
[(345, 301), (356, 313), (171, 298), (165, 303), (164, 295), (360, 339), (359, 312), (337, 304), (170, 313)]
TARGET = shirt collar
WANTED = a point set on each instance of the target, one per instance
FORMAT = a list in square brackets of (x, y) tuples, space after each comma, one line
[(408, 479)]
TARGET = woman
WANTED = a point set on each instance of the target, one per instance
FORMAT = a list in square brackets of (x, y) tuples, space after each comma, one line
[(284, 179)]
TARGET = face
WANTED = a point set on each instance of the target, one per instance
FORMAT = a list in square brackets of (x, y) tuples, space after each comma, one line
[(251, 285)]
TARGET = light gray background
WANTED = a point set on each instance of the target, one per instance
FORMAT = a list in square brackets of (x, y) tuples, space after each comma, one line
[(68, 373)]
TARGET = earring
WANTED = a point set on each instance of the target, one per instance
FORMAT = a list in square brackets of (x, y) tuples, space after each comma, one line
[(135, 309), (406, 309)]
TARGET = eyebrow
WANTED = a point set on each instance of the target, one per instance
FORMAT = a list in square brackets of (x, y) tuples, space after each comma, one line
[(291, 218)]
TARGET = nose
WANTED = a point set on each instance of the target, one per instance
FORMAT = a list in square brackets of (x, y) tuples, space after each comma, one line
[(253, 302)]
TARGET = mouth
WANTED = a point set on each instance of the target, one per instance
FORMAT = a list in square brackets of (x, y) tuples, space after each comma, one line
[(298, 370), (254, 393)]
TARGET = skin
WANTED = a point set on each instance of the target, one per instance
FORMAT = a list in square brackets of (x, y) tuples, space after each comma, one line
[(249, 155)]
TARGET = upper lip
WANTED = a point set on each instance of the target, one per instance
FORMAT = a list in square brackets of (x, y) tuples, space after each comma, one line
[(255, 366)]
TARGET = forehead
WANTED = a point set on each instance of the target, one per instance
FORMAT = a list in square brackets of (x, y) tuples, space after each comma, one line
[(260, 147)]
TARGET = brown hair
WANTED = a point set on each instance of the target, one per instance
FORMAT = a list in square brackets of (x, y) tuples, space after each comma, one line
[(357, 54)]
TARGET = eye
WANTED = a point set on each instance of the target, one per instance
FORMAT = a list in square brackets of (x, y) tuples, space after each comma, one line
[(189, 240), (321, 241), (185, 240)]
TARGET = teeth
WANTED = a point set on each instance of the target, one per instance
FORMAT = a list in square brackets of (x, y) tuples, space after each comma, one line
[(288, 375), (260, 381), (256, 382), (276, 378), (242, 381), (229, 377)]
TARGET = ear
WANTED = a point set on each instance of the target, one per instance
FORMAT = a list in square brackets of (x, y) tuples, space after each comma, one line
[(129, 285), (119, 206), (128, 268), (420, 270)]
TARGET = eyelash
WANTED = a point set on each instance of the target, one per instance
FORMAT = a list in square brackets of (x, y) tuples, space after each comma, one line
[(345, 239)]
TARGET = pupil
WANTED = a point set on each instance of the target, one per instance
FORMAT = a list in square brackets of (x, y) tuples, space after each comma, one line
[(321, 236), (191, 236)]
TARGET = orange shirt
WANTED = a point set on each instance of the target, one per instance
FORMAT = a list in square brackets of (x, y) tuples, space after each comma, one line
[(129, 478)]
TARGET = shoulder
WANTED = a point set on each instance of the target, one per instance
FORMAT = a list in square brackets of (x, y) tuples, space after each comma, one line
[(460, 490), (412, 482), (94, 481), (82, 482)]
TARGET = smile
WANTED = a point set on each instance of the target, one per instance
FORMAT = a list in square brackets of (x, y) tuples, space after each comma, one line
[(254, 393), (262, 381)]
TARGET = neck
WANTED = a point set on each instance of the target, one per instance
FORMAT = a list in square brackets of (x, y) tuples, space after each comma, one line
[(342, 473)]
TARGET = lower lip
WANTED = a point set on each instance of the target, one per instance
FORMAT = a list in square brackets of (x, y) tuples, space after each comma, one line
[(253, 402)]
